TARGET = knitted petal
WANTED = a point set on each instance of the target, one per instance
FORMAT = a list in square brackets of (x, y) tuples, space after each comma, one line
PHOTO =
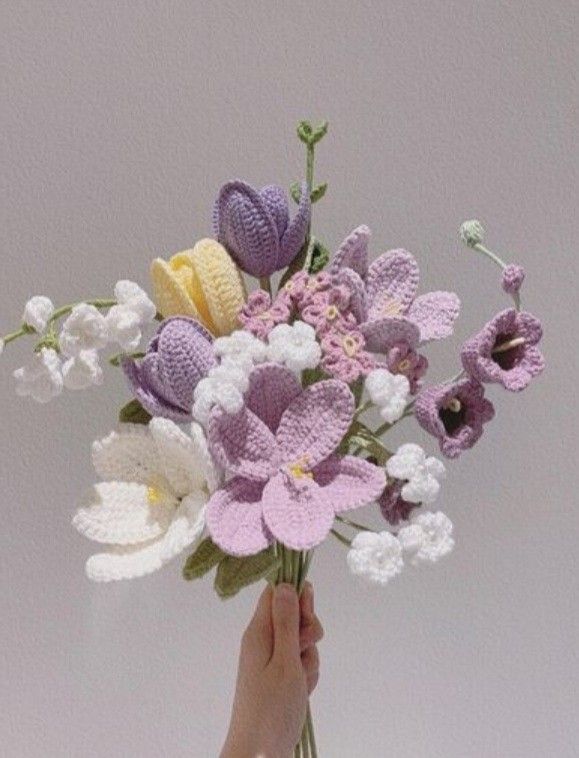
[(384, 333), (128, 455), (242, 444), (234, 518), (353, 252), (392, 283), (247, 229), (271, 389), (120, 513), (295, 234), (276, 201), (171, 288), (139, 376), (349, 482), (434, 313), (297, 511), (179, 456), (314, 424)]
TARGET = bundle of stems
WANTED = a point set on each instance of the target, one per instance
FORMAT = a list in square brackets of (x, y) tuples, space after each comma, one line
[(293, 570)]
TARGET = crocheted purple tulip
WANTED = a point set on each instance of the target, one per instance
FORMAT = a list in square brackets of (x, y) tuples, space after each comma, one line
[(455, 414), (286, 482), (505, 351), (387, 287), (255, 228), (393, 506), (177, 358)]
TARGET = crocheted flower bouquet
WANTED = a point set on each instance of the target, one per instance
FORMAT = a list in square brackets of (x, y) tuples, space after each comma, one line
[(249, 437)]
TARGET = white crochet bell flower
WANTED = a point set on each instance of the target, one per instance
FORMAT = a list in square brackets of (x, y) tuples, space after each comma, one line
[(294, 345), (389, 392), (82, 371), (150, 505), (223, 387), (42, 378), (376, 557), (428, 537), (84, 329), (37, 311), (422, 474), (240, 348), (125, 321)]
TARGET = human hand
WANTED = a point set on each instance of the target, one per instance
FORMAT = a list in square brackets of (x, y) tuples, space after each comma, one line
[(278, 669)]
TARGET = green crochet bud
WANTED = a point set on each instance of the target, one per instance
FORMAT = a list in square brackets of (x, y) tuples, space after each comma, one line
[(472, 232)]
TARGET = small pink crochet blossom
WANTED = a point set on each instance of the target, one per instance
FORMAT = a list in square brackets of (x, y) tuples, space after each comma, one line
[(454, 414), (296, 288), (328, 309), (393, 506), (401, 359), (513, 277), (505, 351), (259, 315), (344, 356), (286, 481)]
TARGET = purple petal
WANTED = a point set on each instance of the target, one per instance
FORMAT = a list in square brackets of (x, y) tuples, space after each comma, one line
[(151, 402), (349, 482), (435, 313), (315, 423), (353, 252), (234, 518), (276, 202), (382, 334), (242, 444), (296, 511), (350, 279), (295, 235), (247, 228), (271, 390), (392, 283)]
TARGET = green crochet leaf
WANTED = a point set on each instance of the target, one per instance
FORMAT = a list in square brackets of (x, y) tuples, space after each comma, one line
[(134, 413), (233, 574), (296, 192), (319, 257), (202, 560), (319, 132), (305, 132), (318, 192)]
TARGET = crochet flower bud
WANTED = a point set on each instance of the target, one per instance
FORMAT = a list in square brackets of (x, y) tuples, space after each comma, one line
[(255, 228), (472, 232), (203, 283)]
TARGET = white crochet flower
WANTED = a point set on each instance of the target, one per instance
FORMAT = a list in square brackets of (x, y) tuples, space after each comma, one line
[(42, 379), (224, 386), (389, 392), (84, 329), (422, 474), (37, 311), (134, 310), (82, 371), (150, 505), (241, 348), (427, 537), (294, 346), (375, 557), (132, 297)]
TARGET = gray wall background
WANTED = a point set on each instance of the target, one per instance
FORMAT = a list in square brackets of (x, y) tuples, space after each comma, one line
[(120, 120)]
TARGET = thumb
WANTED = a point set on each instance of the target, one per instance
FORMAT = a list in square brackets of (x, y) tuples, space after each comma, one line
[(286, 623)]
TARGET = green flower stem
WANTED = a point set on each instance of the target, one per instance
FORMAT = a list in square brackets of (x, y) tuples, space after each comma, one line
[(362, 408), (265, 284), (341, 538), (310, 729), (501, 264), (383, 428), (25, 329), (354, 524)]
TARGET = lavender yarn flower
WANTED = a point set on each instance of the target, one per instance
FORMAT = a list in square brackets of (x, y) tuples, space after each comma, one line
[(505, 351), (255, 228), (177, 358), (513, 277), (454, 414)]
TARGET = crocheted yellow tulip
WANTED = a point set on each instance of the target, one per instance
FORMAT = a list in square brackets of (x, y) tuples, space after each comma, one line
[(203, 283)]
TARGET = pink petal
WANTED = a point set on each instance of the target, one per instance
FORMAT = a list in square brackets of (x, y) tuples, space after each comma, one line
[(296, 511), (349, 482), (357, 290), (392, 279), (242, 444), (271, 389), (353, 252), (382, 334), (314, 424), (435, 313), (234, 518)]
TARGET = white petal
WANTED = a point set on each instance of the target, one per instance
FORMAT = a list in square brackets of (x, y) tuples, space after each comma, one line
[(186, 527), (37, 311), (127, 455), (82, 371), (177, 454), (210, 471), (404, 463)]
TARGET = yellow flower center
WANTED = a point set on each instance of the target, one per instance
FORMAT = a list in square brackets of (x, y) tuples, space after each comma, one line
[(332, 312), (297, 469), (350, 346), (454, 405), (391, 307), (404, 365), (154, 495)]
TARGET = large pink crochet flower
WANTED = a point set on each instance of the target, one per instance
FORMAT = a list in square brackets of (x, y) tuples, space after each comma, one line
[(287, 483), (386, 291)]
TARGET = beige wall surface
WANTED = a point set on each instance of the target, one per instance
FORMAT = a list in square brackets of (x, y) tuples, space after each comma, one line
[(120, 120)]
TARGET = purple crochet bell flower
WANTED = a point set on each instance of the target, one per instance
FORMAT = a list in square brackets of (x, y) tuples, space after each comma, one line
[(513, 277), (400, 359), (455, 414), (393, 506), (386, 293), (255, 227), (505, 351), (177, 358), (286, 482)]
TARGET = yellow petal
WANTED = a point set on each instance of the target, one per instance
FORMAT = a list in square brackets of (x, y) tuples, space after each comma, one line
[(171, 291)]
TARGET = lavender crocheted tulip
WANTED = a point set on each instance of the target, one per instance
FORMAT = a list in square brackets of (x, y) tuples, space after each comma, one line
[(454, 414), (286, 481), (505, 350), (255, 227), (177, 358), (387, 288)]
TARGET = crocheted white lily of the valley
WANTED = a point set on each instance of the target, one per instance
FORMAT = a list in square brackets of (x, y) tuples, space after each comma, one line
[(428, 537), (389, 392), (422, 474), (150, 504)]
